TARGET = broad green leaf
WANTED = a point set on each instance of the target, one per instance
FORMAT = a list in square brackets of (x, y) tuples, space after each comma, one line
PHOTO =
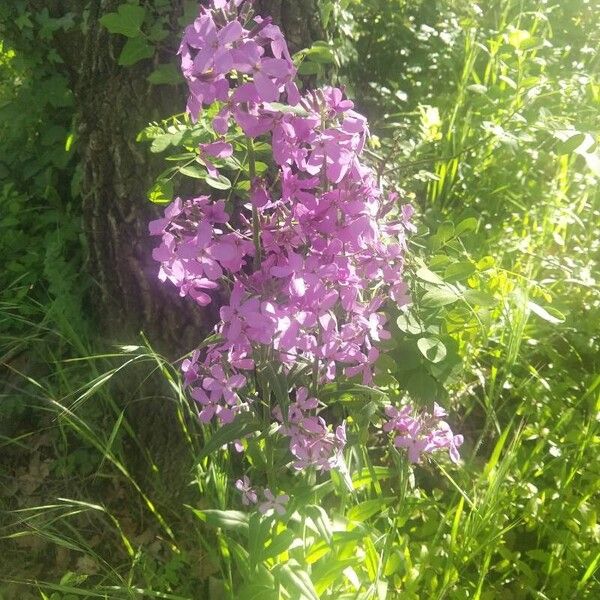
[(317, 551), (408, 323), (194, 171), (571, 144), (162, 141), (135, 49), (479, 298), (510, 82), (439, 297), (477, 88), (429, 276), (517, 37), (371, 558), (351, 392), (220, 182), (487, 262), (243, 425), (280, 543), (326, 574), (190, 12), (296, 581), (255, 591), (320, 53), (546, 313), (308, 68), (432, 349), (167, 74), (234, 520), (126, 21), (321, 520), (365, 510), (422, 386), (459, 270), (364, 477), (258, 535), (161, 192), (469, 224)]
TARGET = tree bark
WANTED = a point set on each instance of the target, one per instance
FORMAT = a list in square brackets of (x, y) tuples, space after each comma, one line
[(299, 19), (113, 104)]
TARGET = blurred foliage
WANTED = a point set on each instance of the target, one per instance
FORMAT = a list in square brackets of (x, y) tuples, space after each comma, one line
[(39, 182), (486, 115)]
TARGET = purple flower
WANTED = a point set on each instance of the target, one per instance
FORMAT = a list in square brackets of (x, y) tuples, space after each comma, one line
[(249, 494), (272, 503), (331, 245), (422, 434)]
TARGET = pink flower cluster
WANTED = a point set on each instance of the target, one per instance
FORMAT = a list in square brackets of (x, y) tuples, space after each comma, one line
[(422, 434), (250, 496), (311, 442), (310, 261), (217, 50)]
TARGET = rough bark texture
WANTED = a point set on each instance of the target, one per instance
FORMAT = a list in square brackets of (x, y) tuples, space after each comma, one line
[(299, 20), (114, 104)]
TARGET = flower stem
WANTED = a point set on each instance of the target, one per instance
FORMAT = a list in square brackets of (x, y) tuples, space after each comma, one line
[(255, 215)]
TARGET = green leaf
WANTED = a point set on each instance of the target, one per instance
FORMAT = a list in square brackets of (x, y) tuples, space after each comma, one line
[(459, 270), (571, 144), (280, 543), (439, 297), (331, 571), (161, 142), (367, 476), (321, 521), (479, 298), (429, 276), (256, 591), (190, 12), (194, 171), (477, 88), (126, 21), (233, 520), (243, 425), (220, 182), (167, 74), (258, 535), (161, 192), (285, 108), (487, 262), (422, 386), (308, 68), (320, 53), (432, 349), (445, 231), (408, 323), (371, 558), (469, 224), (296, 581), (518, 37), (548, 314), (135, 49), (365, 510)]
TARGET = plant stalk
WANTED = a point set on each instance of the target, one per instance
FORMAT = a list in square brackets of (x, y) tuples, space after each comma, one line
[(255, 215)]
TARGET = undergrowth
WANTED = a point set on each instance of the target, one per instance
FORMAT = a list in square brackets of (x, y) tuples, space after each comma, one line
[(112, 489)]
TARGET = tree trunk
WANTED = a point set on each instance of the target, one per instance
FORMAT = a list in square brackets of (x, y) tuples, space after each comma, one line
[(299, 19), (114, 103)]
